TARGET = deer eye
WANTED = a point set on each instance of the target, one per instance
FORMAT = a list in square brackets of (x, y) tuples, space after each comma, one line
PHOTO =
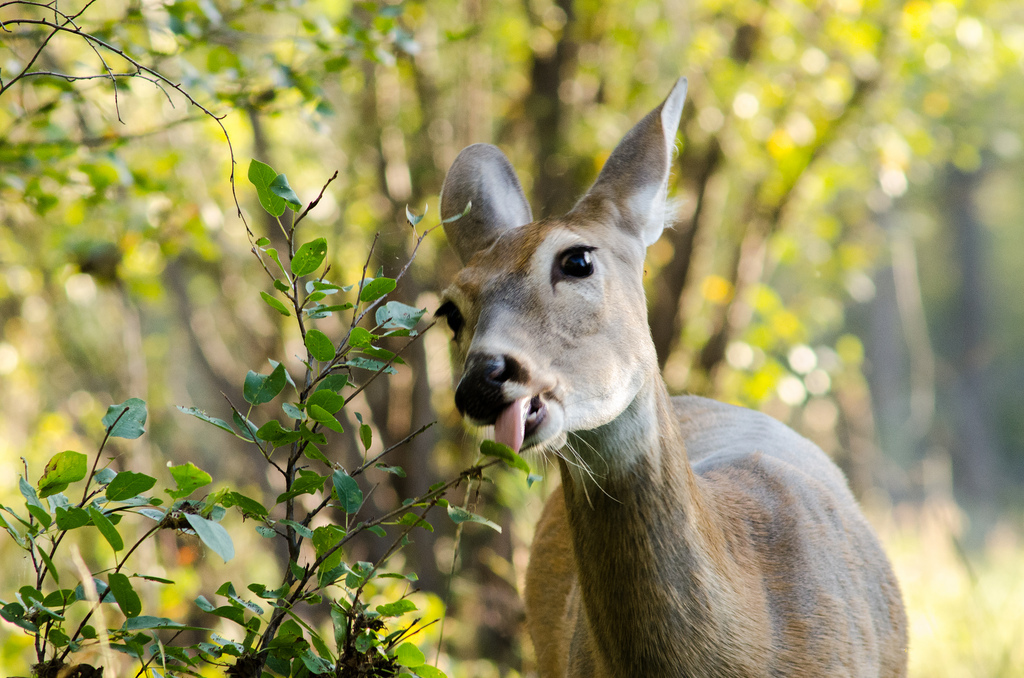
[(576, 262), (450, 312)]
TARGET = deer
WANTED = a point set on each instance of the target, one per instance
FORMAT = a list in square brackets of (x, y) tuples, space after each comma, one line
[(688, 537)]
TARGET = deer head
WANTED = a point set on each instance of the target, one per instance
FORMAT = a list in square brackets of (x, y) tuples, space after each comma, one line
[(549, 316)]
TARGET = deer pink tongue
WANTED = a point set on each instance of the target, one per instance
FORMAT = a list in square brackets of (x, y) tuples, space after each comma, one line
[(510, 426)]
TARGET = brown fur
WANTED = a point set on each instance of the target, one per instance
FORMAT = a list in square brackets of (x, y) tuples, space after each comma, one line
[(688, 538), (774, 585)]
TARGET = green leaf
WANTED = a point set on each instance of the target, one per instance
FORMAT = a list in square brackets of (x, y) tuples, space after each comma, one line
[(318, 666), (276, 434), (340, 623), (377, 288), (277, 260), (397, 608), (365, 435), (349, 494), (31, 498), (288, 642), (131, 424), (315, 438), (213, 535), (279, 187), (382, 354), (409, 655), (59, 598), (230, 613), (63, 469), (199, 414), (321, 647), (72, 518), (49, 565), (261, 176), (292, 411), (412, 218), (259, 389), (15, 534), (299, 528), (266, 532), (308, 482), (321, 311), (15, 613), (365, 641), (461, 515), (128, 484), (247, 429), (490, 448), (324, 287), (325, 538), (371, 365), (188, 477), (319, 346), (428, 671), (327, 399), (309, 257), (106, 528), (333, 382), (247, 505), (393, 470), (102, 591), (360, 337), (324, 418), (287, 374), (149, 622), (127, 599), (313, 452), (275, 304), (396, 315)]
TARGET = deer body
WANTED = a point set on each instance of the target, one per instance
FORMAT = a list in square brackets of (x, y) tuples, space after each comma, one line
[(688, 538)]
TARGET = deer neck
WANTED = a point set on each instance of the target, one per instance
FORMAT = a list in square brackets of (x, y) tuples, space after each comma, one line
[(641, 538)]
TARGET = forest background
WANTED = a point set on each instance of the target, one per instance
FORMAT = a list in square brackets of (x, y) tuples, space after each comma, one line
[(845, 257)]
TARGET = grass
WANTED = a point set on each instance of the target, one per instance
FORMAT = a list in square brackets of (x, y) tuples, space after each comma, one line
[(966, 611)]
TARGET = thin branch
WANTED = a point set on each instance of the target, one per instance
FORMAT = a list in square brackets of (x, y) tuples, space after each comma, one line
[(432, 496), (93, 40), (362, 280), (99, 453), (327, 498), (373, 460), (401, 273), (388, 364), (357, 317), (315, 202), (266, 455), (90, 142), (89, 614)]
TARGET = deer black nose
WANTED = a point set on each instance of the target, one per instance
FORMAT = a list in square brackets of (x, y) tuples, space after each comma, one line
[(479, 394)]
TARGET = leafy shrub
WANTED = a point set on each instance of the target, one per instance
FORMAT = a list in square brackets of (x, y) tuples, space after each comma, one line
[(277, 638)]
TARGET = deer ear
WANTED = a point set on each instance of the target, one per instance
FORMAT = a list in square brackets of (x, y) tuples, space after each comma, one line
[(634, 180), (483, 176)]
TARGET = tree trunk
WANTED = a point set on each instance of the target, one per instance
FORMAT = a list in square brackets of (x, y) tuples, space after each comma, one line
[(975, 458)]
